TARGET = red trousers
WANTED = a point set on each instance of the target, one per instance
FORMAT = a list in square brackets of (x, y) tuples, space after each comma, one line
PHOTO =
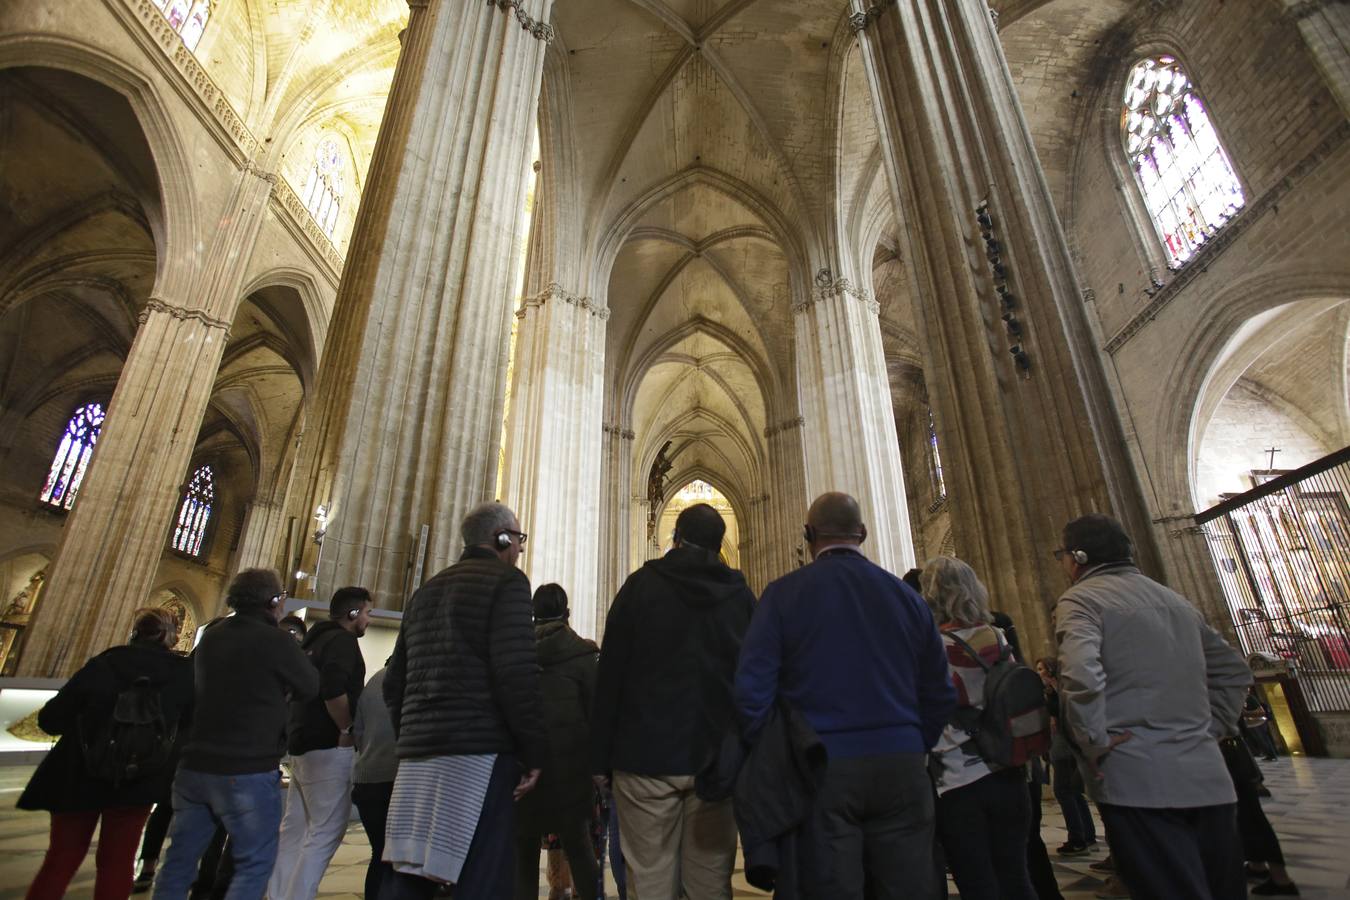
[(118, 839)]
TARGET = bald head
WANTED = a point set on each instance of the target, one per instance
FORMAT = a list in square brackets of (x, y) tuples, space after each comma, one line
[(835, 517)]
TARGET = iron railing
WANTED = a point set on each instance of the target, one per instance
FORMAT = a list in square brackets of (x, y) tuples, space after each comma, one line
[(1282, 551)]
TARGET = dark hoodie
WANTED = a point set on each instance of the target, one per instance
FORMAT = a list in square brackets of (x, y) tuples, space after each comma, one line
[(663, 699), (567, 682)]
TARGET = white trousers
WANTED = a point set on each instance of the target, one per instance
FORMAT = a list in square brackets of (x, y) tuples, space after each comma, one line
[(318, 806)]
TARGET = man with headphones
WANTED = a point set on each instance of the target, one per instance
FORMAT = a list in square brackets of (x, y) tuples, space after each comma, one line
[(854, 650), (319, 741), (1146, 687), (462, 688), (663, 703), (245, 670)]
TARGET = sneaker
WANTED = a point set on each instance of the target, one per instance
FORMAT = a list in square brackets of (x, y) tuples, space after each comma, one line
[(1069, 848), (144, 879), (1112, 889), (1103, 865), (1269, 888)]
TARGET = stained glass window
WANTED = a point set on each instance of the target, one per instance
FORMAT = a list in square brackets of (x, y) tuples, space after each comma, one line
[(187, 17), (935, 460), (1187, 180), (324, 187), (72, 456), (194, 512)]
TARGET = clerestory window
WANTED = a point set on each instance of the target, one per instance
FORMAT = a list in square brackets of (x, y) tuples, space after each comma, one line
[(324, 187), (1186, 178), (72, 456), (187, 17), (194, 513)]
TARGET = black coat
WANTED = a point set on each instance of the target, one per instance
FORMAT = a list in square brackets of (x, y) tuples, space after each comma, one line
[(61, 782), (464, 677), (663, 698), (775, 792), (565, 791)]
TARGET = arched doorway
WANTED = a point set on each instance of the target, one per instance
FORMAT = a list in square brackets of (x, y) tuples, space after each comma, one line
[(700, 491)]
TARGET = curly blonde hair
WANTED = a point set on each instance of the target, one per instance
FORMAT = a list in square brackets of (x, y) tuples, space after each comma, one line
[(954, 592)]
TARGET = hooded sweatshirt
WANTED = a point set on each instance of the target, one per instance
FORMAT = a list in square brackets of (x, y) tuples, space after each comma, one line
[(663, 697)]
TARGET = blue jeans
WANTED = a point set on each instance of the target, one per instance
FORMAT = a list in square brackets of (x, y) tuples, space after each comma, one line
[(1077, 814), (249, 806)]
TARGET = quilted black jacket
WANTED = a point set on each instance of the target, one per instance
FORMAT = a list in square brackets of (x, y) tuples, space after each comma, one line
[(464, 677)]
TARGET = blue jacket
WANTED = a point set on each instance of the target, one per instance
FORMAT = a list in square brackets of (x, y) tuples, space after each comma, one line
[(855, 651)]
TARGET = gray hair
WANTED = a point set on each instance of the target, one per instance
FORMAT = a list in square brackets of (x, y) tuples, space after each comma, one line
[(954, 592), (485, 521)]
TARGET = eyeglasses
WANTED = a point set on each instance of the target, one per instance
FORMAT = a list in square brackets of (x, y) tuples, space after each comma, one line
[(521, 537)]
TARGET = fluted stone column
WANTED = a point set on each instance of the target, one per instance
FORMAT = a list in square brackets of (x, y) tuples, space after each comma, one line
[(616, 515), (1325, 26), (787, 505), (408, 411), (260, 538), (554, 442), (849, 431), (1025, 451), (114, 537)]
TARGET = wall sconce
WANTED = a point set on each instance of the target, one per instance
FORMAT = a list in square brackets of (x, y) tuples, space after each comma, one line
[(321, 516)]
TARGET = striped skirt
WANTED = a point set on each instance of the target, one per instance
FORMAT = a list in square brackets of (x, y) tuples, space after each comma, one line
[(434, 813)]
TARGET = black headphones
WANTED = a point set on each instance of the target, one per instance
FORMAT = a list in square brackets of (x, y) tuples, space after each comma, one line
[(1079, 557), (353, 613), (503, 539), (809, 534)]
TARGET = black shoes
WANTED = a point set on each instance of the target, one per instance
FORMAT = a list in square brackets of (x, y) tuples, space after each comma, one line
[(1269, 888), (1071, 849)]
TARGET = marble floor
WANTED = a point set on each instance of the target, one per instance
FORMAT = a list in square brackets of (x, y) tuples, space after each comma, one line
[(1309, 807)]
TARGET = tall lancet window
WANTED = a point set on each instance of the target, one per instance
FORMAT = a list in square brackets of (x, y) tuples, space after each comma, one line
[(324, 187), (72, 456), (1187, 179), (935, 460), (195, 512), (187, 17)]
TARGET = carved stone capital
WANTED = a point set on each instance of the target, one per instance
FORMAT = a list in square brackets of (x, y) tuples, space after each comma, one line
[(182, 313), (555, 292), (541, 31), (858, 21), (828, 287), (785, 425)]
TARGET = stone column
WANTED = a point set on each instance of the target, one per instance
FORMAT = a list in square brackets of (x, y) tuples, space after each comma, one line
[(849, 432), (1026, 448), (553, 445), (616, 516), (113, 540), (408, 411), (788, 503), (1325, 26), (260, 539)]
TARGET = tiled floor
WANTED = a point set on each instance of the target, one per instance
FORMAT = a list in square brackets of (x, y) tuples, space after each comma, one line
[(1310, 810)]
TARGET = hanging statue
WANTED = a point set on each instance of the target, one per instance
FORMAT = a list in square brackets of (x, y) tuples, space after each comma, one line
[(656, 487)]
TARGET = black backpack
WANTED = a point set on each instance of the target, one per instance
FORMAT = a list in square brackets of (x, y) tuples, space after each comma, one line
[(1014, 725), (134, 742)]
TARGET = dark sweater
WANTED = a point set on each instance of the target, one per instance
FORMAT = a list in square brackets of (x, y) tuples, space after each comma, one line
[(464, 677), (663, 698), (246, 670), (854, 650), (342, 670), (61, 782)]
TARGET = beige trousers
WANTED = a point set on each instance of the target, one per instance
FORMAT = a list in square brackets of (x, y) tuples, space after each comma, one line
[(672, 839)]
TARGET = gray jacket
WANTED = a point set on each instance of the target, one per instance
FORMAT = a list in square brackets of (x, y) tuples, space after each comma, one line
[(373, 733), (1136, 656)]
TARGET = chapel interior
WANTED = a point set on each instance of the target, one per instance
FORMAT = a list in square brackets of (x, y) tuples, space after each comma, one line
[(295, 284)]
